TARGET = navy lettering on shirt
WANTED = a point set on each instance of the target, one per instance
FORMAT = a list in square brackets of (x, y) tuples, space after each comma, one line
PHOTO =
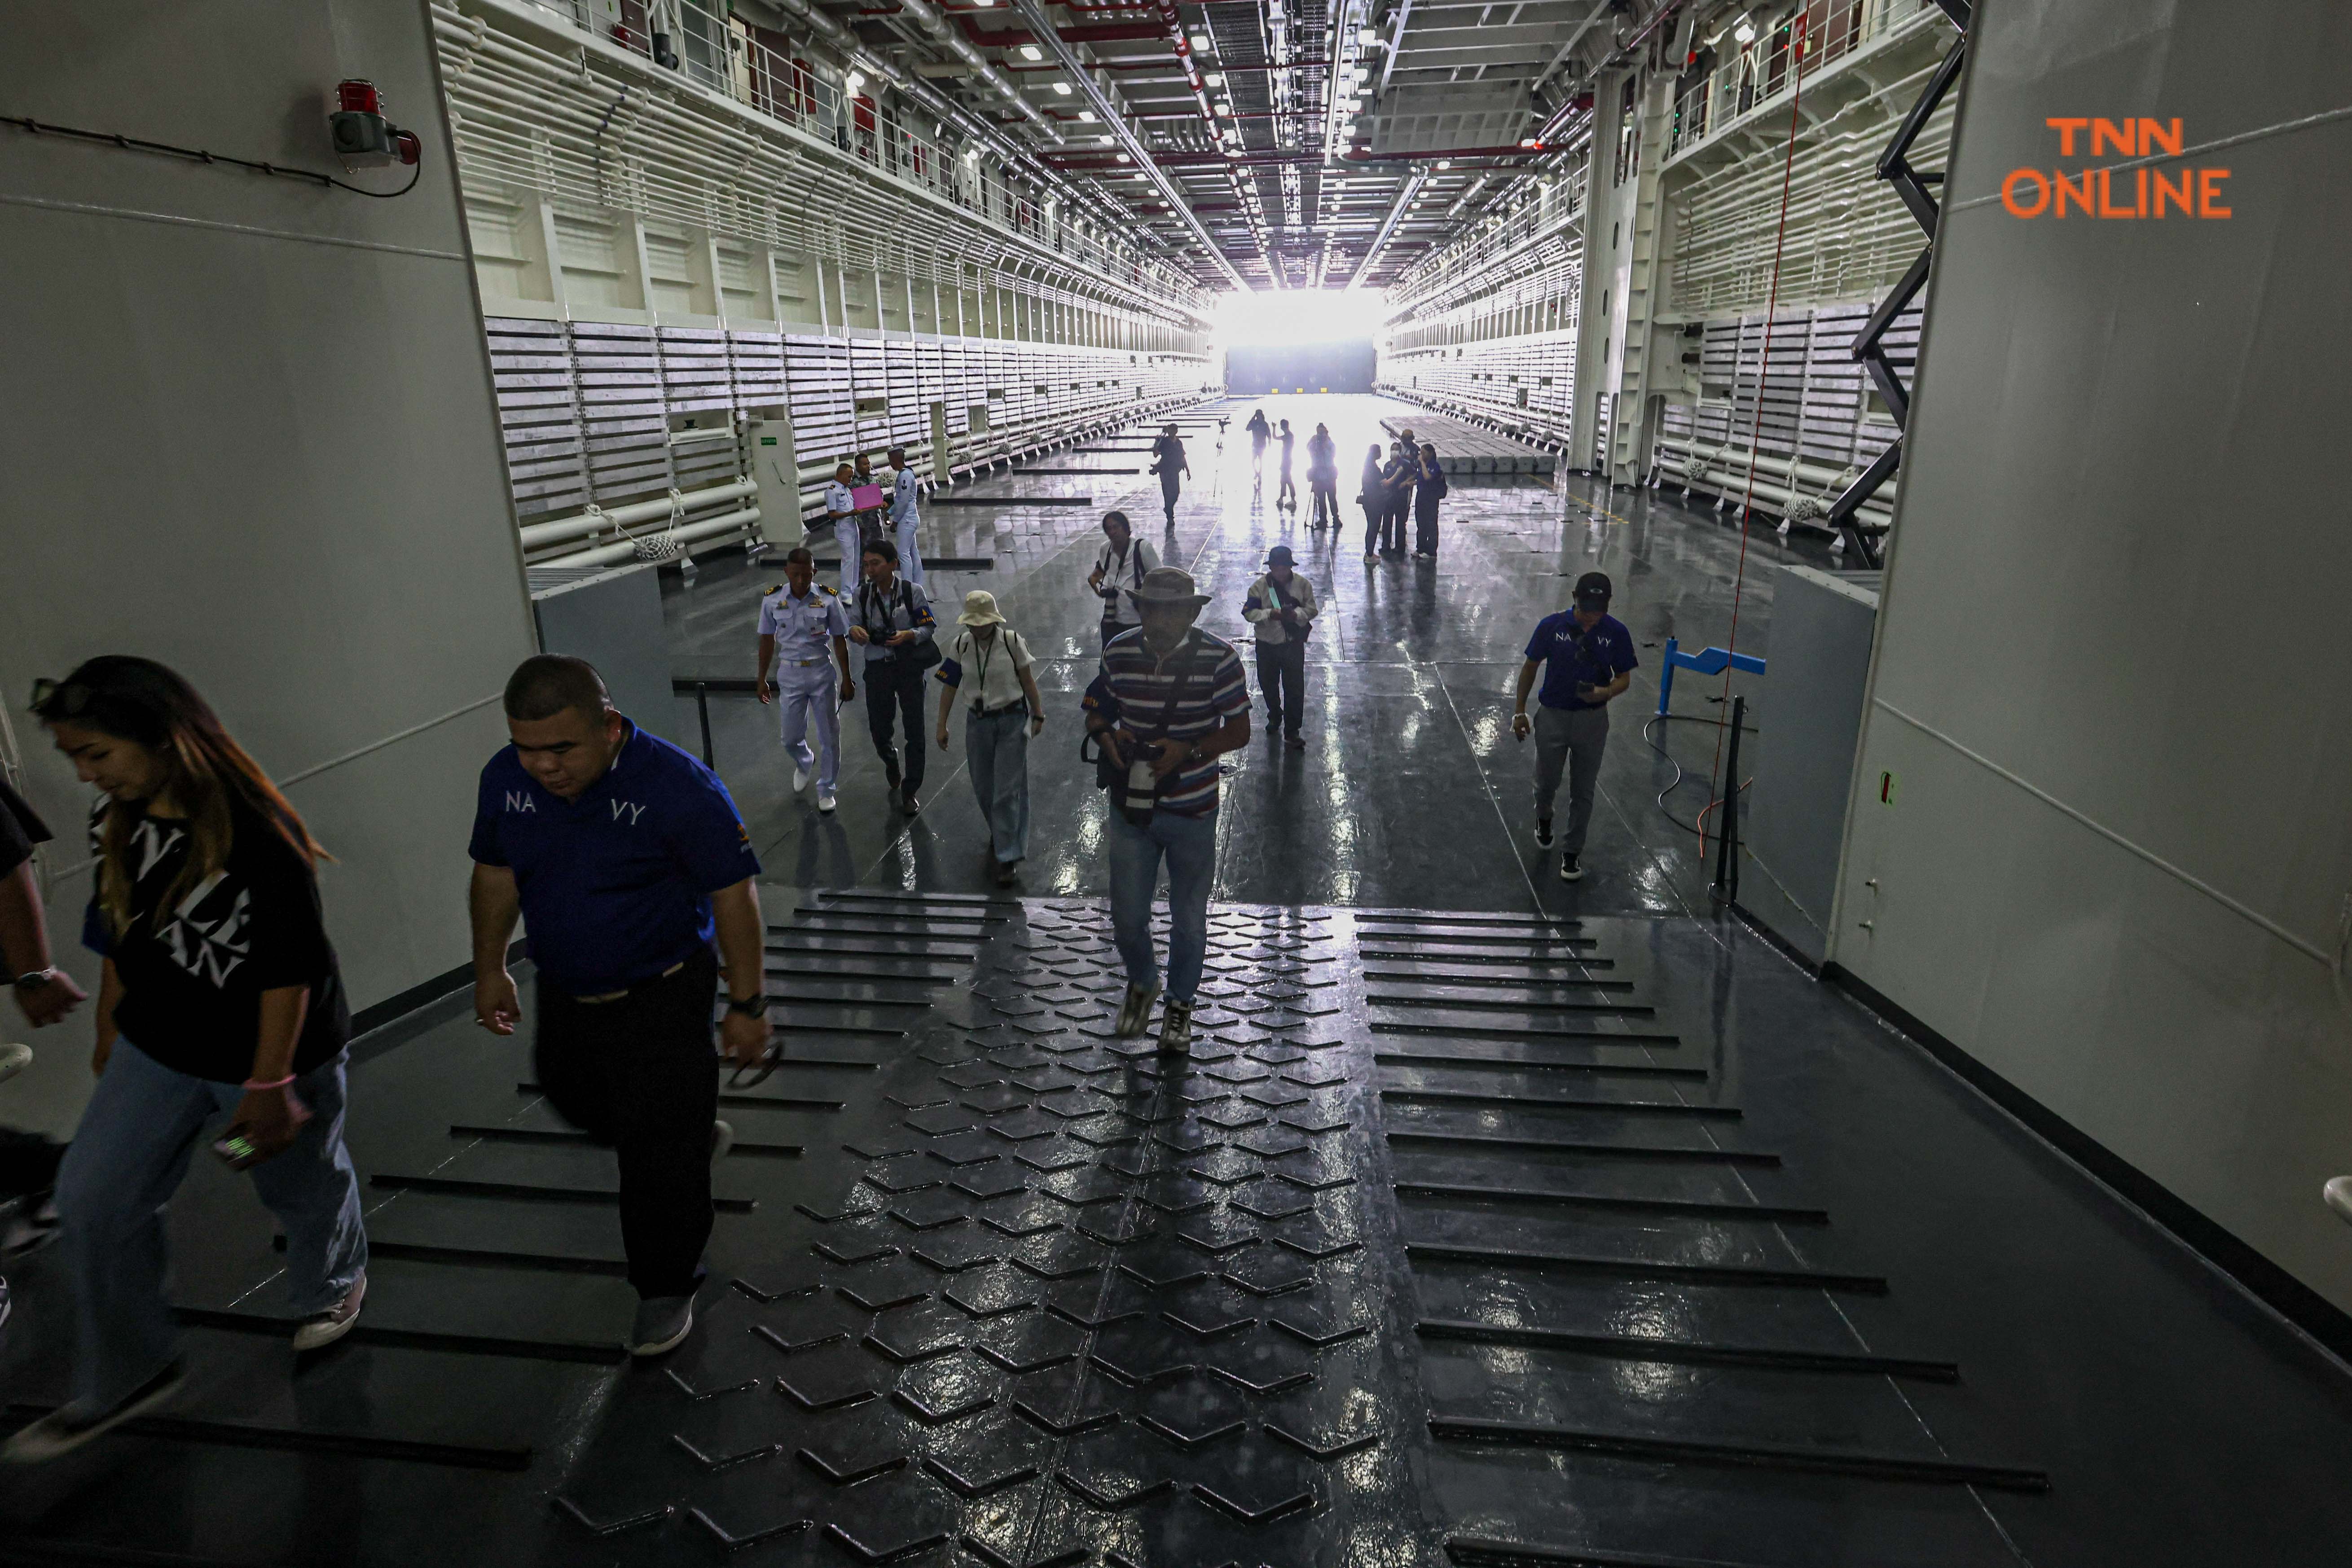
[(1572, 656), (615, 886)]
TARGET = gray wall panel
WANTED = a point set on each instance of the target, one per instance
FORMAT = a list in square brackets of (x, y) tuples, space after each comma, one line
[(2112, 656)]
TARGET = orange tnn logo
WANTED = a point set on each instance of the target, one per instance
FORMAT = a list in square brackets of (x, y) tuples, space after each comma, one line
[(2094, 193)]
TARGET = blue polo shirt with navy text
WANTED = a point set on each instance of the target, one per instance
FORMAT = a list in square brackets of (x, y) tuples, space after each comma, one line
[(1570, 654), (615, 885)]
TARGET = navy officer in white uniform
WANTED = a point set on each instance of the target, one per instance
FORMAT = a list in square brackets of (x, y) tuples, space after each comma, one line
[(630, 864), (904, 489), (804, 631), (841, 512)]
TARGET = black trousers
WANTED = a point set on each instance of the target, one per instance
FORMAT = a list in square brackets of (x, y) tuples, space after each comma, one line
[(1372, 513), (893, 687), (1425, 527), (1169, 484), (640, 1077), (1324, 507), (1393, 525), (1282, 681)]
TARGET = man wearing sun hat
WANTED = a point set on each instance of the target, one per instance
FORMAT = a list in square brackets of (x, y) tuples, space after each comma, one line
[(1002, 714), (1169, 700)]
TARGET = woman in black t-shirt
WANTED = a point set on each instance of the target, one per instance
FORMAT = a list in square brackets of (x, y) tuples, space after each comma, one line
[(221, 1004)]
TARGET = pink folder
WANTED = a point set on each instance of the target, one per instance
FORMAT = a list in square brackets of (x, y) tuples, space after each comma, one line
[(866, 496)]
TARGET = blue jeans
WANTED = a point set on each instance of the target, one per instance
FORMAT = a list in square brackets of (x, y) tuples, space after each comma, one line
[(1190, 843), (129, 1157), (996, 749)]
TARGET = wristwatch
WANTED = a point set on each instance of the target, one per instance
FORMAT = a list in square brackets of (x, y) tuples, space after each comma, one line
[(31, 978), (752, 1006)]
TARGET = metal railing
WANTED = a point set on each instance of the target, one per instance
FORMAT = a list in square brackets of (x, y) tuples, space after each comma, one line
[(717, 52), (1762, 70)]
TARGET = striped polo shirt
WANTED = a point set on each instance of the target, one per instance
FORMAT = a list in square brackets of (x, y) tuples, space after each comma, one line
[(1204, 674)]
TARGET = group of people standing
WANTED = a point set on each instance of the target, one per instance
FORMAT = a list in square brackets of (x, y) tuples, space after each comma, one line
[(1322, 468), (1410, 481), (863, 507)]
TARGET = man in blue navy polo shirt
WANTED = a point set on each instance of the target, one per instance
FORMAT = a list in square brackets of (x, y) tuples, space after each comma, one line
[(627, 858), (1587, 658)]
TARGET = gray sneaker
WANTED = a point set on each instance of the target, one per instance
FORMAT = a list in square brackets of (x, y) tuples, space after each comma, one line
[(63, 1431), (1175, 1027), (661, 1323), (321, 1329), (1136, 1011)]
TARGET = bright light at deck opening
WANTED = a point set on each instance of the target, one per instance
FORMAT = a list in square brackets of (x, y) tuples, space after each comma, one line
[(1293, 316)]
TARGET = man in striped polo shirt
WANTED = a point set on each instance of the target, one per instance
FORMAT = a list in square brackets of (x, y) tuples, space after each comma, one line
[(1169, 700)]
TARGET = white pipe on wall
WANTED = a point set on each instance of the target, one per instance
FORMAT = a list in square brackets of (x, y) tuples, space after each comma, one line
[(611, 555), (580, 524)]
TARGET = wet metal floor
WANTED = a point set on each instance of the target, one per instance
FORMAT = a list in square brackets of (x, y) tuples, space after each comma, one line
[(1475, 1228)]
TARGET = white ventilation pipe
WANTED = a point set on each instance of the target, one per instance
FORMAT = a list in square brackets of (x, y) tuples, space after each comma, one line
[(613, 555), (595, 520)]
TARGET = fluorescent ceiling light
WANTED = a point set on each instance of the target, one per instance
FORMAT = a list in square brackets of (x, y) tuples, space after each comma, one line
[(1200, 43), (1124, 159), (1225, 109), (1213, 79), (1030, 52), (1745, 32), (1063, 87), (1367, 38), (1106, 141), (1445, 162), (1086, 115)]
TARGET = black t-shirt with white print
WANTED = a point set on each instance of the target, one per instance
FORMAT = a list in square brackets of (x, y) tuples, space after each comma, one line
[(192, 976)]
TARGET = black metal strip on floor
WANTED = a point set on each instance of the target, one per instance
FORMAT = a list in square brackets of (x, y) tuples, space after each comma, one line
[(942, 563), (569, 1137), (887, 896), (752, 1101), (930, 917), (805, 999), (915, 950), (1515, 1005), (1024, 473), (1737, 1274), (1690, 1352), (861, 1031), (856, 974), (1531, 982), (1497, 1032), (1682, 1208), (1751, 1456), (1554, 921), (452, 1186), (1477, 1141), (1467, 939), (1499, 960), (295, 1440), (484, 1258), (1486, 1552), (585, 1351), (1539, 1102), (1511, 1063)]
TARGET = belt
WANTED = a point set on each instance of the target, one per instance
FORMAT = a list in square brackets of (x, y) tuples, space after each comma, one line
[(622, 995), (806, 663)]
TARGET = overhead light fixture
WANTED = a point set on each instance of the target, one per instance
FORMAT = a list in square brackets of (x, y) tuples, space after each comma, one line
[(1032, 52), (1367, 38), (1106, 140), (855, 80), (1062, 88), (1745, 32), (1124, 159), (1200, 43), (1213, 79), (1226, 110), (1086, 115)]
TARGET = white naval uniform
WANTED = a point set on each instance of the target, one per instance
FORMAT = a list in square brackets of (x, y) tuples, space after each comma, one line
[(843, 509), (903, 489), (808, 683)]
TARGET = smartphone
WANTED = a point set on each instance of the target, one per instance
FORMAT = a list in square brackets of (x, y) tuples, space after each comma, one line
[(236, 1149)]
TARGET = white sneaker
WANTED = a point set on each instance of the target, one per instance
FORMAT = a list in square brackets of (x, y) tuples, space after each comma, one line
[(800, 777), (722, 1139), (321, 1329), (14, 1058), (825, 801)]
